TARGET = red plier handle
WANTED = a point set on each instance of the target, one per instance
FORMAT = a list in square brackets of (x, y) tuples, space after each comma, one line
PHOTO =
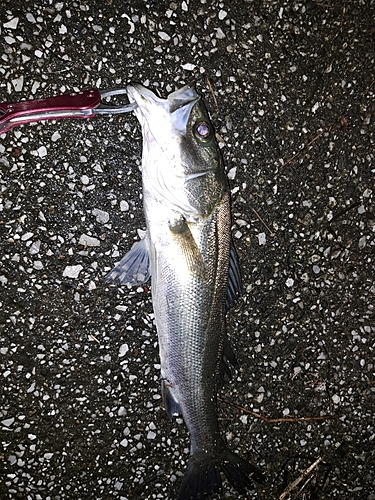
[(83, 104)]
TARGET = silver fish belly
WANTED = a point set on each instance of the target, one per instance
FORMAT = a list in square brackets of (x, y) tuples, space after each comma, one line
[(194, 274)]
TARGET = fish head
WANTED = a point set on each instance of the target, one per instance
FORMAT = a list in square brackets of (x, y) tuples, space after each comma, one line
[(181, 158)]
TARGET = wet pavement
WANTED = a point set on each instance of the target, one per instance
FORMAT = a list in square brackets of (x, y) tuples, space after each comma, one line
[(290, 87)]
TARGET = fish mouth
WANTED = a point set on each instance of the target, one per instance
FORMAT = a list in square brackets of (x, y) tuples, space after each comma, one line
[(176, 100), (175, 109)]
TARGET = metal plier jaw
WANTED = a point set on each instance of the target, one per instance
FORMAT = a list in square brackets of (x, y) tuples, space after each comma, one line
[(83, 104)]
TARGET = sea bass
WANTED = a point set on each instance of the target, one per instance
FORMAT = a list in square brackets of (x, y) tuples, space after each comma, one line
[(189, 255)]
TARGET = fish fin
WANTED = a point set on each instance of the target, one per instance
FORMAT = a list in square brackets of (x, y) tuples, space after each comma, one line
[(188, 248), (228, 355), (133, 268), (170, 403), (239, 472), (202, 476), (234, 278), (228, 352)]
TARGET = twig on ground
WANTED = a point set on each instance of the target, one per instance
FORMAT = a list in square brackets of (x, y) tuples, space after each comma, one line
[(302, 149), (262, 221), (280, 419), (303, 476), (212, 92)]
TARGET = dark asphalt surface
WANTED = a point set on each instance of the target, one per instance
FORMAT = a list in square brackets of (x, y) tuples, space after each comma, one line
[(80, 408)]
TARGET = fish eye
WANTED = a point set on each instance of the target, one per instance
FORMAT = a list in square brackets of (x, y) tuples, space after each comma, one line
[(203, 131)]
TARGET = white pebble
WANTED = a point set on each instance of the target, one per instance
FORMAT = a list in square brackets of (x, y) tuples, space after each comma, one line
[(232, 173), (219, 33), (35, 247), (56, 136), (7, 422), (123, 350), (100, 215), (88, 241), (27, 236), (12, 24), (42, 151), (72, 271), (164, 36), (124, 206), (262, 238), (92, 285), (362, 242), (30, 18), (188, 66), (336, 399), (85, 180), (18, 84), (289, 282)]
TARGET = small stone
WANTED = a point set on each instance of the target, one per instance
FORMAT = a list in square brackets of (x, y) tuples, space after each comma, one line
[(219, 33), (7, 422), (188, 66), (164, 36), (101, 216), (232, 173), (12, 24), (123, 350), (362, 242), (124, 206), (27, 236), (72, 271), (261, 238), (56, 136), (88, 241), (35, 247), (42, 151)]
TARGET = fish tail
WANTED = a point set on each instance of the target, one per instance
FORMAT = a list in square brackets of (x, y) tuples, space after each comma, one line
[(203, 475)]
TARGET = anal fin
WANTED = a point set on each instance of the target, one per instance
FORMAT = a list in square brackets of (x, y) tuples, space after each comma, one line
[(170, 403)]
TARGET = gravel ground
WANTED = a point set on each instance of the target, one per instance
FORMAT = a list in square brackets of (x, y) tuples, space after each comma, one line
[(290, 87)]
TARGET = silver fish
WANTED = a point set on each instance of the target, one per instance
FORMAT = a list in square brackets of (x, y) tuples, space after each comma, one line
[(188, 252)]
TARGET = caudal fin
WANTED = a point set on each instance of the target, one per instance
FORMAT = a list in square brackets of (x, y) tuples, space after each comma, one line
[(202, 477)]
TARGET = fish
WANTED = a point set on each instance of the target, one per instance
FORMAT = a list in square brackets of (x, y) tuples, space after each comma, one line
[(189, 254)]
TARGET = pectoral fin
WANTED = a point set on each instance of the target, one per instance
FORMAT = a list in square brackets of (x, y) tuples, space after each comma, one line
[(188, 248), (134, 267)]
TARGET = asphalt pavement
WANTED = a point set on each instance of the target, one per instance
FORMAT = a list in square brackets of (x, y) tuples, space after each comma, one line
[(290, 87)]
